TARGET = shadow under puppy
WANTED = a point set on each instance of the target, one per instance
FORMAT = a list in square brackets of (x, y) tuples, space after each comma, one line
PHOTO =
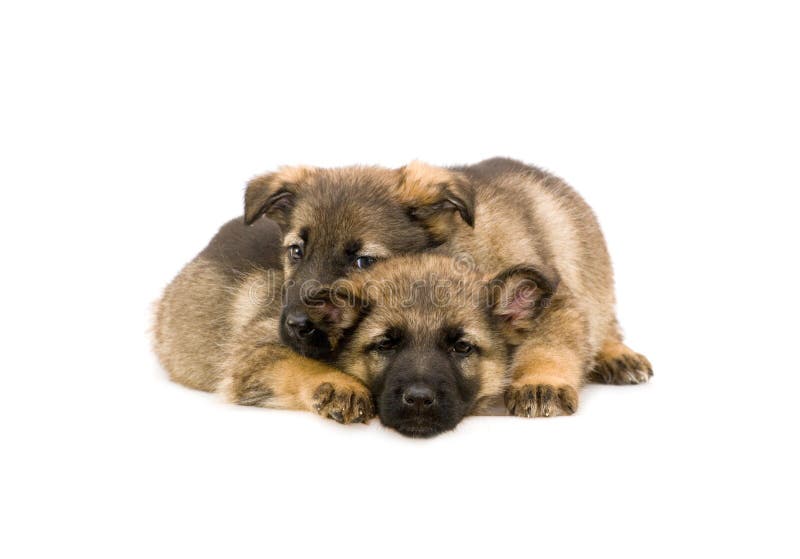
[(432, 338)]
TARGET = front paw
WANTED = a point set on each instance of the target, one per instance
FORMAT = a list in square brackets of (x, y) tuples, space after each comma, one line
[(624, 368), (541, 400), (345, 403)]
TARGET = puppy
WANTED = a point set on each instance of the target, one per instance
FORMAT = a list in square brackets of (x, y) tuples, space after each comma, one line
[(432, 338), (502, 213), (218, 326), (230, 320)]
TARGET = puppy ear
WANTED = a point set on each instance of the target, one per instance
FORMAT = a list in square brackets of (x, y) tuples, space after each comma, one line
[(274, 194), (337, 308), (518, 295), (437, 197)]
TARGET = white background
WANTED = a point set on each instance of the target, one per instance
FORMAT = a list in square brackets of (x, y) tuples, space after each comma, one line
[(127, 133)]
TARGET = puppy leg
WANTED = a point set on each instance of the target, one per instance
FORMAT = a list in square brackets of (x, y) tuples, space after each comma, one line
[(616, 363), (273, 376), (545, 382), (548, 369)]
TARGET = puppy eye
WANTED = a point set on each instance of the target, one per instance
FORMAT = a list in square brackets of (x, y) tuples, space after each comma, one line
[(295, 253), (462, 347), (364, 262), (386, 344)]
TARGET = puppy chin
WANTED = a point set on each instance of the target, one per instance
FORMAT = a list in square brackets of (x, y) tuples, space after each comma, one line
[(418, 429), (316, 346), (417, 426)]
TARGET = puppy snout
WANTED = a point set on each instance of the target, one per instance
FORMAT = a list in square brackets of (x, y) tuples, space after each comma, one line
[(419, 396), (299, 324)]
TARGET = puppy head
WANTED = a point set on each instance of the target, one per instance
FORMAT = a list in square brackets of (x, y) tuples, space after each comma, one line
[(334, 222), (428, 337)]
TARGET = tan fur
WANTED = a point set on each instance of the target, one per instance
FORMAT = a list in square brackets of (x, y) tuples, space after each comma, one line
[(216, 325), (240, 356), (217, 331), (187, 335), (401, 293), (260, 187), (525, 215), (278, 378), (421, 183), (616, 363), (427, 190)]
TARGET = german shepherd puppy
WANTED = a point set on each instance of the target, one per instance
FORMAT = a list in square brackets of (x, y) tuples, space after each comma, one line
[(503, 213), (333, 223), (220, 325), (432, 338)]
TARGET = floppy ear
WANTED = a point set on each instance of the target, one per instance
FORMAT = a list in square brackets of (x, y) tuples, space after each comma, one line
[(274, 194), (336, 308), (520, 294), (437, 197)]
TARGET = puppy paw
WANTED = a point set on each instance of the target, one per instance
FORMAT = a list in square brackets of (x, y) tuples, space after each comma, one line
[(627, 367), (541, 400), (343, 402)]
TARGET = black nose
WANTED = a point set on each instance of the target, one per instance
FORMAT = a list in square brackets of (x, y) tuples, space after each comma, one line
[(419, 396), (299, 324)]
